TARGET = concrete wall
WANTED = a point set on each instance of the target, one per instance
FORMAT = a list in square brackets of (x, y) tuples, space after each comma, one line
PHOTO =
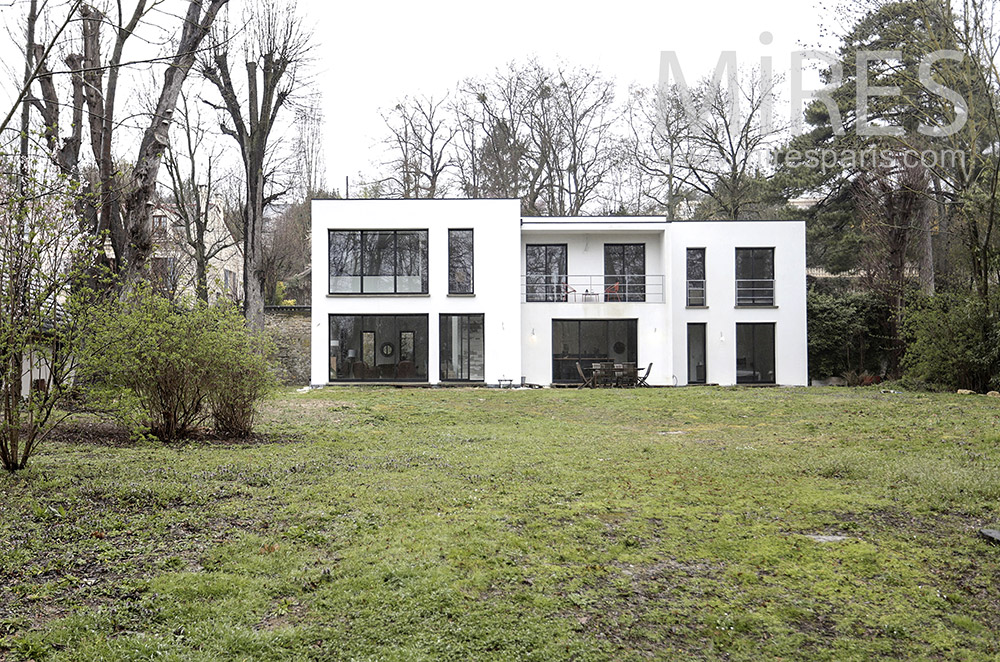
[(496, 242), (585, 240), (289, 327), (720, 239)]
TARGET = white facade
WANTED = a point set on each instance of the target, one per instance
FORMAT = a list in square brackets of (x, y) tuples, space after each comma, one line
[(550, 295)]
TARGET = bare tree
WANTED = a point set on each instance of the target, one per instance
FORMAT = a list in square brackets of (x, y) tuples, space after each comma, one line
[(205, 234), (421, 134), (122, 203), (661, 149), (731, 139), (309, 163), (273, 49)]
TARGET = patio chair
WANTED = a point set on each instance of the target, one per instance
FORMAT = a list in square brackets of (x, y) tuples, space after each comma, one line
[(586, 381), (604, 373), (642, 380), (613, 292)]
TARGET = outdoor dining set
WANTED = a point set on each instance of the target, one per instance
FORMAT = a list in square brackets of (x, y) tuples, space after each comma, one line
[(610, 374)]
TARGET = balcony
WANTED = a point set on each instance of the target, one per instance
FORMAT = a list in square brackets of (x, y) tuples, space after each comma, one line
[(696, 293), (754, 292), (595, 288)]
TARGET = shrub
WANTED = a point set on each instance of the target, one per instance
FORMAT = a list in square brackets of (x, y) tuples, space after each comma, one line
[(155, 365), (242, 376), (952, 341), (844, 333)]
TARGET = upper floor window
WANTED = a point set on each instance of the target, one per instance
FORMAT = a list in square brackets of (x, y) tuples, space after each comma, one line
[(378, 261), (624, 272), (754, 276), (460, 262), (696, 277), (545, 273)]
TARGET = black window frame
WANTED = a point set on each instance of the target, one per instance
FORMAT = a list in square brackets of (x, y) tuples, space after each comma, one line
[(443, 320), (367, 350), (363, 262), (754, 371), (553, 286), (452, 266), (694, 301), (701, 327), (564, 363), (624, 286), (759, 287)]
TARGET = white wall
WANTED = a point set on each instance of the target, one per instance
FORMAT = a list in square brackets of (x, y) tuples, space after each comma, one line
[(585, 240), (496, 241), (721, 239)]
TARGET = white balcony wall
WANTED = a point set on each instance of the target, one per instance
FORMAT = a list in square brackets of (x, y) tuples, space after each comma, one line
[(496, 241), (585, 240)]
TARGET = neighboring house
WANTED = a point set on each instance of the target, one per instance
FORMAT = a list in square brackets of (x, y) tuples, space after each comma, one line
[(468, 291), (172, 264)]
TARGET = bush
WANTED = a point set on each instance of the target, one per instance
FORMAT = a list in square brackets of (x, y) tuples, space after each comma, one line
[(844, 333), (952, 341), (166, 369), (242, 377)]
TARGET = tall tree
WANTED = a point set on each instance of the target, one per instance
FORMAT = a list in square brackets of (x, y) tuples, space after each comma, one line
[(122, 202), (421, 134), (272, 49)]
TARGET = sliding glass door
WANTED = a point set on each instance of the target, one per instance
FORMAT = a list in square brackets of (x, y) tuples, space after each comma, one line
[(378, 347), (589, 342)]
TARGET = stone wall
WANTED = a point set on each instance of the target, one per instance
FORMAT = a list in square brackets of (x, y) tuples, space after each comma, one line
[(289, 327)]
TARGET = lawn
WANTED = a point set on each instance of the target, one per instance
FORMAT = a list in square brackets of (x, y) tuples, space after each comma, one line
[(479, 524)]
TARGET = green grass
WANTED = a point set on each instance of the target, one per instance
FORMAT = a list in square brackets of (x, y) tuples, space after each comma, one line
[(548, 524)]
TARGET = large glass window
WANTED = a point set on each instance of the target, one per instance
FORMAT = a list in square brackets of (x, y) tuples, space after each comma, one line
[(755, 353), (378, 347), (754, 276), (460, 262), (696, 277), (545, 277), (378, 261), (462, 348), (697, 364), (589, 342), (625, 272)]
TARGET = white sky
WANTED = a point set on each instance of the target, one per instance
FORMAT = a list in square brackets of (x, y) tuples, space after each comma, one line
[(369, 55)]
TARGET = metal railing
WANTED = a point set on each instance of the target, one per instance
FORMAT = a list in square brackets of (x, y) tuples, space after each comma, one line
[(696, 293), (592, 288), (754, 292)]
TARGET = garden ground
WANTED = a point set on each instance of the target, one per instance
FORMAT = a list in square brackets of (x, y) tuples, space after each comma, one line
[(426, 524)]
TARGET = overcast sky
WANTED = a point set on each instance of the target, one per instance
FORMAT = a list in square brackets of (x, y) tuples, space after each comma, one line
[(372, 53)]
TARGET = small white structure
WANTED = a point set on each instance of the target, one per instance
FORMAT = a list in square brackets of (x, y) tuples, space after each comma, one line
[(443, 291)]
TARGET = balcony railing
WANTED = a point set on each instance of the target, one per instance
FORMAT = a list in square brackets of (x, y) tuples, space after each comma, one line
[(756, 292), (596, 288), (696, 293)]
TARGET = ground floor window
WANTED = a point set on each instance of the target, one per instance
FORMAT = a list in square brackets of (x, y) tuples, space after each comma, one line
[(462, 348), (755, 353), (590, 342), (378, 347), (696, 354)]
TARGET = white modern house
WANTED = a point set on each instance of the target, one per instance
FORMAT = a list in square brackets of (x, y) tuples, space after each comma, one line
[(468, 291)]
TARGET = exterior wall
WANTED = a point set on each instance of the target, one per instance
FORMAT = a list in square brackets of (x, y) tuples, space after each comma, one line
[(496, 240), (518, 333), (289, 327), (585, 240), (720, 239)]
